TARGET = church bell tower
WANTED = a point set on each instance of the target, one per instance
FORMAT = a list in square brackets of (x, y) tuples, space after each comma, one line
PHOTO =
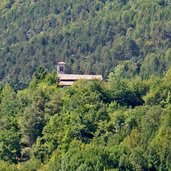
[(61, 68)]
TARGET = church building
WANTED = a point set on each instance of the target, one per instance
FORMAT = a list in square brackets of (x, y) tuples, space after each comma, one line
[(69, 79)]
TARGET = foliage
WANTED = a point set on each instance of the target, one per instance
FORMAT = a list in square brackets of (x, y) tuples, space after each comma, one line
[(92, 36), (122, 124)]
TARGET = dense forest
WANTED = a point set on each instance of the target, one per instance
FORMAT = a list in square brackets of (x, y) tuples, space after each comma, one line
[(91, 36), (121, 124)]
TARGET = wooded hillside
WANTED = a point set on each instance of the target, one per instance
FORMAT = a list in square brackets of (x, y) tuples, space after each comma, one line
[(91, 36), (117, 124), (124, 124)]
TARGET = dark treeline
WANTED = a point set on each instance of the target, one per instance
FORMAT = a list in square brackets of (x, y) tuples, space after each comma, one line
[(92, 36), (122, 124)]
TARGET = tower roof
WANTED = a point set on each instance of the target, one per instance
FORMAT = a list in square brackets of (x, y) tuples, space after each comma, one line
[(61, 63)]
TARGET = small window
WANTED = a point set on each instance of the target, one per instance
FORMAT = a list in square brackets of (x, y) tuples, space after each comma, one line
[(61, 69)]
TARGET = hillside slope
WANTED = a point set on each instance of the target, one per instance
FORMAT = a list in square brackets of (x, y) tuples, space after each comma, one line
[(91, 36), (119, 125)]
